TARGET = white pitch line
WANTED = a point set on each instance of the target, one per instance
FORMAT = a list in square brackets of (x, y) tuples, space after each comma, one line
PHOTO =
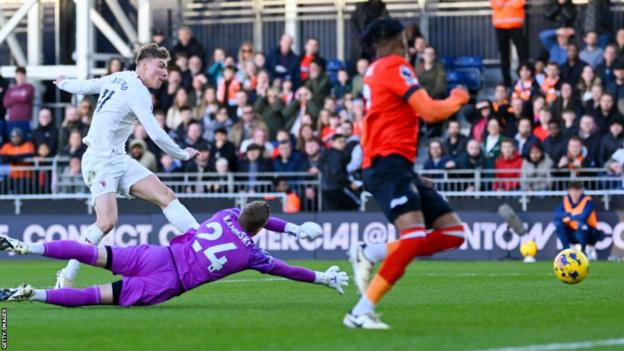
[(562, 346)]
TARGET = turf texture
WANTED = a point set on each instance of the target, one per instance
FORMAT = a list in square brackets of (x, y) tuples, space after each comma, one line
[(450, 306)]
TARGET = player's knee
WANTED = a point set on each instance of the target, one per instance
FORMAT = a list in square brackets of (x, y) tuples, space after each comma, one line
[(168, 196)]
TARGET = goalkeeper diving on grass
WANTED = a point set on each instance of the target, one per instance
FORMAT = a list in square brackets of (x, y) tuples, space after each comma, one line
[(153, 274)]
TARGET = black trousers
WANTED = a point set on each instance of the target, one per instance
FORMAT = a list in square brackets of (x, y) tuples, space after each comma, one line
[(503, 37)]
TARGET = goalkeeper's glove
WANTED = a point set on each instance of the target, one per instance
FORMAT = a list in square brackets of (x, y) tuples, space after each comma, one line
[(307, 231), (333, 278)]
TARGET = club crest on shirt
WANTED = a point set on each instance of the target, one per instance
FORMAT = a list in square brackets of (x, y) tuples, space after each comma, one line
[(407, 75)]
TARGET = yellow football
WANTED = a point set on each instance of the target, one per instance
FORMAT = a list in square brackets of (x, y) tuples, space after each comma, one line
[(571, 266), (528, 249)]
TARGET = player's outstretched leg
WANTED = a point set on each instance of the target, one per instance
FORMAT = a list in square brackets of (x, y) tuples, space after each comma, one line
[(62, 250), (68, 297), (106, 213)]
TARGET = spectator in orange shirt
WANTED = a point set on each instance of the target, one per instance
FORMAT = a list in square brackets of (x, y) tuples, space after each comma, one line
[(551, 85), (14, 153)]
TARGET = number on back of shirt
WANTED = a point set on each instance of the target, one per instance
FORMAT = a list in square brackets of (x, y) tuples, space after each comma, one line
[(214, 232), (106, 95)]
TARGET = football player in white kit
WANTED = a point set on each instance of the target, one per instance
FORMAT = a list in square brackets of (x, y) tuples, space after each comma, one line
[(106, 167)]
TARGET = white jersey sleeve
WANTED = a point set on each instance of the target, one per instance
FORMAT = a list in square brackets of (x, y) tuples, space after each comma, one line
[(141, 107), (82, 86)]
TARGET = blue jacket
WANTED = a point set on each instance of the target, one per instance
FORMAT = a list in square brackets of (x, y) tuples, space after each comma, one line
[(549, 40), (582, 217), (285, 67)]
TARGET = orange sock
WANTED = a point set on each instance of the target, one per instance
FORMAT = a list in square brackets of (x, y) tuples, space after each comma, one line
[(446, 238), (413, 243)]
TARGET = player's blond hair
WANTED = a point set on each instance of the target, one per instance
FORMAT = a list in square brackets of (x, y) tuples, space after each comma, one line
[(254, 216), (152, 51)]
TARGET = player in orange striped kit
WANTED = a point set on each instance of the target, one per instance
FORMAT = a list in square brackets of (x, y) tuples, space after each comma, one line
[(395, 103)]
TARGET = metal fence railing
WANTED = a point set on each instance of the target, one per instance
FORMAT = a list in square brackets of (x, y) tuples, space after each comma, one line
[(512, 183), (54, 178)]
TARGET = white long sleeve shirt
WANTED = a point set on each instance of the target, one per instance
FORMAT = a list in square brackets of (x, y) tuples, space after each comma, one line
[(123, 99)]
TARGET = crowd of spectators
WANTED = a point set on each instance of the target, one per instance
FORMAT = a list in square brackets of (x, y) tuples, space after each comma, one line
[(280, 111)]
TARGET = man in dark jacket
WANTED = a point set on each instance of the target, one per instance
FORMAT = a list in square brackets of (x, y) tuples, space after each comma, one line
[(46, 132), (338, 190), (311, 54), (187, 44), (611, 141), (287, 159), (455, 143), (556, 144), (590, 139), (573, 67), (473, 158), (270, 107), (318, 83), (282, 63)]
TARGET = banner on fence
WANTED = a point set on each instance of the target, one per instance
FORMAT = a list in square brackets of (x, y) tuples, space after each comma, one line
[(487, 236)]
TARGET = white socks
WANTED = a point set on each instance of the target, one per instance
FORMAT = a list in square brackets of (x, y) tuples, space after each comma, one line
[(39, 295), (36, 249), (179, 216), (92, 235), (363, 306), (376, 252)]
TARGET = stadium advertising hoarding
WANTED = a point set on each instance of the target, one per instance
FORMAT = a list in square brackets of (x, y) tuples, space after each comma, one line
[(487, 236)]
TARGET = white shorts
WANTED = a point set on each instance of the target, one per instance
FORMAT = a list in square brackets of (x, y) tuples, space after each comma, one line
[(116, 173)]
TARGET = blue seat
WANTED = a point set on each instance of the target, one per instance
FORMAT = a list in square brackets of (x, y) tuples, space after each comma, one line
[(447, 61), (468, 61), (470, 77)]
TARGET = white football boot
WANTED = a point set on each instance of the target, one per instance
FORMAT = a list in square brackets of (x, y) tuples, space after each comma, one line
[(591, 253), (61, 281), (362, 267), (22, 293), (12, 245), (364, 321)]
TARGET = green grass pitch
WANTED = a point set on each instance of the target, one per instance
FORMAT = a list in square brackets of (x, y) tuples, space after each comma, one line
[(450, 306)]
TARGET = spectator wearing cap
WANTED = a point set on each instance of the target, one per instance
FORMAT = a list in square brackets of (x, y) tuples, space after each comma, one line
[(590, 136), (508, 20), (612, 141), (556, 42), (14, 152), (18, 100), (526, 87), (556, 143), (318, 83), (536, 169), (616, 87), (159, 38), (139, 152), (339, 192), (573, 66), (270, 107), (508, 167), (223, 148), (287, 159), (243, 129), (202, 163), (187, 44), (46, 132), (605, 69), (311, 54), (282, 63), (74, 147), (254, 160), (455, 142)]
